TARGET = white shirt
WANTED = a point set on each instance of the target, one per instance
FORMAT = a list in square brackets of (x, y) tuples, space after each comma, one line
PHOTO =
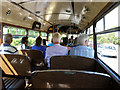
[(55, 50), (8, 49)]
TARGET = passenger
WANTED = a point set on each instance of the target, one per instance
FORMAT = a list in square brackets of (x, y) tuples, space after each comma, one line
[(65, 43), (71, 41), (75, 43), (6, 48), (38, 46), (44, 42), (56, 49), (24, 44), (82, 49), (51, 44)]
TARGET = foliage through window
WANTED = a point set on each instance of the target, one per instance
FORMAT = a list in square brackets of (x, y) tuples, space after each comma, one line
[(17, 34), (32, 35)]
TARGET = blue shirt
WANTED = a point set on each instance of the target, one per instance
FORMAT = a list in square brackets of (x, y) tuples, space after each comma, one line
[(82, 50), (41, 48), (51, 44)]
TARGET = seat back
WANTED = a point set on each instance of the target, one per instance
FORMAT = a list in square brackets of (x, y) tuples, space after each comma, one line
[(70, 79), (13, 64), (13, 83), (35, 55), (72, 62)]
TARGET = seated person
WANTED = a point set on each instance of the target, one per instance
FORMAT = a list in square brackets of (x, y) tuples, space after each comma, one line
[(56, 49), (51, 44), (65, 42), (44, 42), (6, 48), (38, 46), (75, 43), (83, 49), (24, 44)]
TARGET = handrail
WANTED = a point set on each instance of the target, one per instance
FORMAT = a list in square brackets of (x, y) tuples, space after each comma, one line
[(112, 73)]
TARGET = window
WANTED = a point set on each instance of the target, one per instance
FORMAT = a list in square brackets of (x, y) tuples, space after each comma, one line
[(88, 31), (74, 36), (17, 34), (111, 19), (99, 26), (43, 35), (32, 35), (90, 39), (107, 49), (91, 30)]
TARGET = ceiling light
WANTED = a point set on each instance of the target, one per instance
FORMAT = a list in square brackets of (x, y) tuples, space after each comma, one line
[(30, 18)]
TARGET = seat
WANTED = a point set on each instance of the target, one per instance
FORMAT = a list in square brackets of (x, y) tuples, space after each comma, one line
[(13, 64), (70, 79), (13, 83), (73, 63), (37, 59)]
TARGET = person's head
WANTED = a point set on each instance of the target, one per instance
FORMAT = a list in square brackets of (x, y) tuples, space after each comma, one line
[(24, 40), (38, 41), (56, 37), (8, 38), (65, 41), (82, 39), (71, 37), (75, 41), (44, 41)]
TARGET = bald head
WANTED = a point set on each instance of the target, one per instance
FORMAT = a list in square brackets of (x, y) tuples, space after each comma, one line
[(8, 38), (56, 37)]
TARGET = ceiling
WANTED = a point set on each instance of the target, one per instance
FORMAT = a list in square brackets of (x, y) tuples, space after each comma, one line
[(52, 12)]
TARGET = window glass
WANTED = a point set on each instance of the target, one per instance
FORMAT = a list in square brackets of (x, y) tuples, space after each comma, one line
[(16, 40), (43, 35), (84, 32), (88, 31), (111, 19), (74, 36), (90, 39), (63, 35), (17, 34), (32, 35), (91, 30), (107, 49), (99, 26)]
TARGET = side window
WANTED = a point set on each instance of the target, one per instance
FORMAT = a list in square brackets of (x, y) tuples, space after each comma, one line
[(111, 19), (32, 35), (17, 34), (43, 35), (108, 43), (107, 49)]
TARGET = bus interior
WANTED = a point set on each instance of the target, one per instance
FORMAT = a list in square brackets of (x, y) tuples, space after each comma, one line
[(32, 18)]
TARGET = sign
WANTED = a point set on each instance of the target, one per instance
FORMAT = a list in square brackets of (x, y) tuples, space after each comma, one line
[(36, 25)]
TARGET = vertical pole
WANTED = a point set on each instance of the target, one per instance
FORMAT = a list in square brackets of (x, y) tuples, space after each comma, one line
[(1, 34), (47, 36), (86, 30), (104, 23), (27, 32), (95, 40)]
